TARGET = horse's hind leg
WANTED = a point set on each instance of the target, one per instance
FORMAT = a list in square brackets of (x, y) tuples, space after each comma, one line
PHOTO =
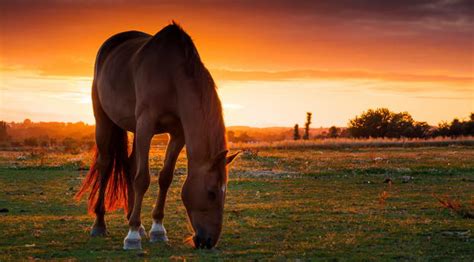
[(158, 232), (104, 165), (141, 182)]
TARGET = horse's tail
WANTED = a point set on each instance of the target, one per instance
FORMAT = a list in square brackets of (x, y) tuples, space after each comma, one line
[(116, 176)]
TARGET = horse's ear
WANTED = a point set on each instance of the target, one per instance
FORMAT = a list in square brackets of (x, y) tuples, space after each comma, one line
[(230, 158), (221, 156)]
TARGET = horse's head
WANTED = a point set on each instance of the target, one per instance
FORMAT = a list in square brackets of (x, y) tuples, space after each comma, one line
[(203, 196)]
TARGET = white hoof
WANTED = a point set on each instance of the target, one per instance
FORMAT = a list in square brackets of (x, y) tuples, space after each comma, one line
[(142, 232), (158, 233), (132, 240)]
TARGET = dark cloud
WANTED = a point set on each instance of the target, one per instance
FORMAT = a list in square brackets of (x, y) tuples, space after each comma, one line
[(450, 10)]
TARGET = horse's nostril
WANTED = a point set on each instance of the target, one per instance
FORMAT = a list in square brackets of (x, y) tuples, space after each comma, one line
[(208, 243)]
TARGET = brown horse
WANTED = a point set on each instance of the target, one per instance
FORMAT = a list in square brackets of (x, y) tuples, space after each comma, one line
[(150, 85)]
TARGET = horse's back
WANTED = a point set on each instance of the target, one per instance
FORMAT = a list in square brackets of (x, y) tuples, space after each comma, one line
[(113, 77), (112, 42), (137, 72)]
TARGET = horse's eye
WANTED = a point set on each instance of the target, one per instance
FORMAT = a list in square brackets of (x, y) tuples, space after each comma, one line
[(211, 195)]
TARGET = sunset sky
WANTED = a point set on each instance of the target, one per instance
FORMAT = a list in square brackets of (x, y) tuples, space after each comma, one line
[(273, 60)]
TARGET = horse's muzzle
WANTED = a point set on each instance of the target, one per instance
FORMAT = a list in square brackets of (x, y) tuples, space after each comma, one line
[(200, 241)]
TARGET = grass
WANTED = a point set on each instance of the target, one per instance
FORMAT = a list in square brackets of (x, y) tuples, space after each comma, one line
[(318, 204), (339, 143)]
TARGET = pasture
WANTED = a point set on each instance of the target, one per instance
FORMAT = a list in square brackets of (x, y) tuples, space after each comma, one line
[(347, 203)]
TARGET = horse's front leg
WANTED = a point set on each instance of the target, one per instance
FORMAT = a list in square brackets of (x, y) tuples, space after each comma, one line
[(132, 170), (158, 232), (141, 182)]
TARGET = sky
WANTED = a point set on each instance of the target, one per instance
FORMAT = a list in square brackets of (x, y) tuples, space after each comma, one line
[(273, 60)]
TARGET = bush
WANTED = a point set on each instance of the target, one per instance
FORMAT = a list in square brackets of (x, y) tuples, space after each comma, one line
[(70, 144), (334, 132), (31, 141)]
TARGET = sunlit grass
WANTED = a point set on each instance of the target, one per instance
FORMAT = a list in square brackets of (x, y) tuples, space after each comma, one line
[(318, 204)]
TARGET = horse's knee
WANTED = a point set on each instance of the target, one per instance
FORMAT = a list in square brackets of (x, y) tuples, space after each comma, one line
[(141, 182)]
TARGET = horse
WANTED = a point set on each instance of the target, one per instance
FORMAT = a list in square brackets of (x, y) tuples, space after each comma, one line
[(153, 84)]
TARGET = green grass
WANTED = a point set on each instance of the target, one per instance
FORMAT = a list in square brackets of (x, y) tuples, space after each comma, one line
[(283, 203)]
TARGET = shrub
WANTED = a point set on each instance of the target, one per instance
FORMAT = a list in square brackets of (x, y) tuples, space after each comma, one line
[(31, 141), (296, 132)]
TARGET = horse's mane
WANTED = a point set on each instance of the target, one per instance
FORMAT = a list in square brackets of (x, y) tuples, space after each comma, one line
[(206, 87)]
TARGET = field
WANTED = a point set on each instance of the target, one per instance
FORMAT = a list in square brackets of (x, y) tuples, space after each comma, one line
[(327, 203)]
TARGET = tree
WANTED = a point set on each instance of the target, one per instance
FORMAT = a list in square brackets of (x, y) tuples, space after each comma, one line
[(306, 126), (372, 123), (384, 123), (244, 137), (32, 141), (443, 129), (333, 132), (296, 132), (231, 136), (422, 130), (456, 128), (3, 131), (70, 144), (469, 126)]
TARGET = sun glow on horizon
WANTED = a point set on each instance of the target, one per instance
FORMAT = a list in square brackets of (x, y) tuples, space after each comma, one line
[(261, 103)]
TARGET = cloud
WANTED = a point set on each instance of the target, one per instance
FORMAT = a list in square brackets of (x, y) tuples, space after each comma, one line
[(447, 97), (240, 75), (400, 10)]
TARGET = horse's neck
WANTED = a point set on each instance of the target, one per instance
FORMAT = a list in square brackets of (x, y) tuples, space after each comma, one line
[(204, 132)]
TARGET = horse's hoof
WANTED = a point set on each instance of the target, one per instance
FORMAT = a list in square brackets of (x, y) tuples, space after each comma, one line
[(158, 232), (132, 240), (132, 244), (98, 232), (142, 232), (158, 236)]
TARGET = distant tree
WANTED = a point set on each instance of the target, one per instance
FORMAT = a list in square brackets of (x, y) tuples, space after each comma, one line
[(456, 128), (31, 141), (3, 131), (333, 132), (344, 133), (373, 123), (244, 137), (43, 141), (469, 126), (306, 126), (70, 144), (442, 129), (231, 136), (421, 130), (296, 132), (27, 122), (382, 122), (400, 125), (52, 141)]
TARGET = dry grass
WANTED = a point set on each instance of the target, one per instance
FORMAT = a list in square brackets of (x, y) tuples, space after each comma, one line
[(456, 206), (356, 143)]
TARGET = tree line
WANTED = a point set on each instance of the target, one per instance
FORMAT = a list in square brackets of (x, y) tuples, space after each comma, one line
[(383, 123), (376, 123)]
